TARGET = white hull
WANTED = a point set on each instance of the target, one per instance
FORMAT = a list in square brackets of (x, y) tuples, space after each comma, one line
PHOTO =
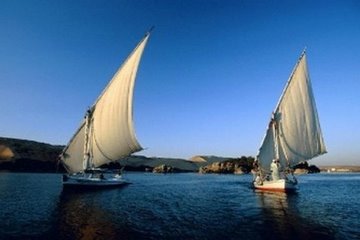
[(84, 181), (280, 185)]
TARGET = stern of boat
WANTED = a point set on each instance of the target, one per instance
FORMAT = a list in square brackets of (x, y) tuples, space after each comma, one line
[(281, 185)]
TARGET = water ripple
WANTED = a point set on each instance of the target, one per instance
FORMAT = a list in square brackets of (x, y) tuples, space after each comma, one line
[(173, 206)]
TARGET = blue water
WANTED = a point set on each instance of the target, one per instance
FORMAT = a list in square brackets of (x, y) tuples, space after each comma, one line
[(179, 206)]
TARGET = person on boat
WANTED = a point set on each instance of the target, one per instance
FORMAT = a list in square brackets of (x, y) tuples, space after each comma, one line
[(258, 179), (255, 171), (256, 165), (119, 174), (275, 170)]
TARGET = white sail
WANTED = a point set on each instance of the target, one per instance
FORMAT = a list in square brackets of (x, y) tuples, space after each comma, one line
[(267, 150), (295, 120), (73, 154), (111, 131)]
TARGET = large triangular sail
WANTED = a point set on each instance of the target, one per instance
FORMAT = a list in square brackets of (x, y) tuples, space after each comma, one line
[(110, 130), (294, 133)]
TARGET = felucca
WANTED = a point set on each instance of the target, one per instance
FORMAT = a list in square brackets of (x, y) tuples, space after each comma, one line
[(106, 134), (293, 134)]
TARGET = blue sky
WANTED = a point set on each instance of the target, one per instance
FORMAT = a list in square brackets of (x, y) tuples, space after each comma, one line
[(210, 76)]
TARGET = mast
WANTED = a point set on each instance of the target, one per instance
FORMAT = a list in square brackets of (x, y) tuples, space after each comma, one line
[(276, 136), (87, 163)]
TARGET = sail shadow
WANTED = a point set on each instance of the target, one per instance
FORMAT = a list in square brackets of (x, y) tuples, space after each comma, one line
[(282, 219)]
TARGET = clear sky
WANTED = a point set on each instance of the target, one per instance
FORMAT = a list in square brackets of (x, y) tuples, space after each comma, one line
[(210, 76)]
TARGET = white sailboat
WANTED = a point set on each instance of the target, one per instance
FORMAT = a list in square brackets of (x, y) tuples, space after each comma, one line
[(106, 134), (293, 134)]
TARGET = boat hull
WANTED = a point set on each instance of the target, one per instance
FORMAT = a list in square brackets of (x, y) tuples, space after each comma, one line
[(281, 185), (85, 182)]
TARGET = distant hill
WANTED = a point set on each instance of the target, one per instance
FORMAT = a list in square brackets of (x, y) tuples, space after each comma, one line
[(18, 155), (28, 156), (205, 160)]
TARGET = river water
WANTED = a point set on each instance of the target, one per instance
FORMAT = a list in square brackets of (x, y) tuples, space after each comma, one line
[(179, 206)]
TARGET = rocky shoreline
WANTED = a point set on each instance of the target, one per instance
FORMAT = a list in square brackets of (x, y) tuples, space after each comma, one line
[(233, 166), (17, 155)]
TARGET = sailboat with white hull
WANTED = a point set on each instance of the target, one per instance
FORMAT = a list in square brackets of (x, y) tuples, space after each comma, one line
[(106, 134), (293, 134)]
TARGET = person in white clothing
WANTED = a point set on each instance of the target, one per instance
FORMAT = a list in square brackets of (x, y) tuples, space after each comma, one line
[(275, 170)]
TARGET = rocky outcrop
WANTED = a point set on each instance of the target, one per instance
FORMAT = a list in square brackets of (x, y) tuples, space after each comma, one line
[(300, 171), (6, 153), (235, 166), (304, 167), (224, 167), (165, 169)]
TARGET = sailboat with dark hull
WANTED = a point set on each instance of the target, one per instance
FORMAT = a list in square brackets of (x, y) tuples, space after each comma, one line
[(293, 134), (106, 134)]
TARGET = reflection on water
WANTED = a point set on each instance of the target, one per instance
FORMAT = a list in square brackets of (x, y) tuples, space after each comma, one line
[(282, 218), (82, 215), (179, 206), (80, 218)]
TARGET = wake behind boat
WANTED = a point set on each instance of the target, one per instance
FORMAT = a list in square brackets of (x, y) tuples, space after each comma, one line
[(106, 134), (293, 134)]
